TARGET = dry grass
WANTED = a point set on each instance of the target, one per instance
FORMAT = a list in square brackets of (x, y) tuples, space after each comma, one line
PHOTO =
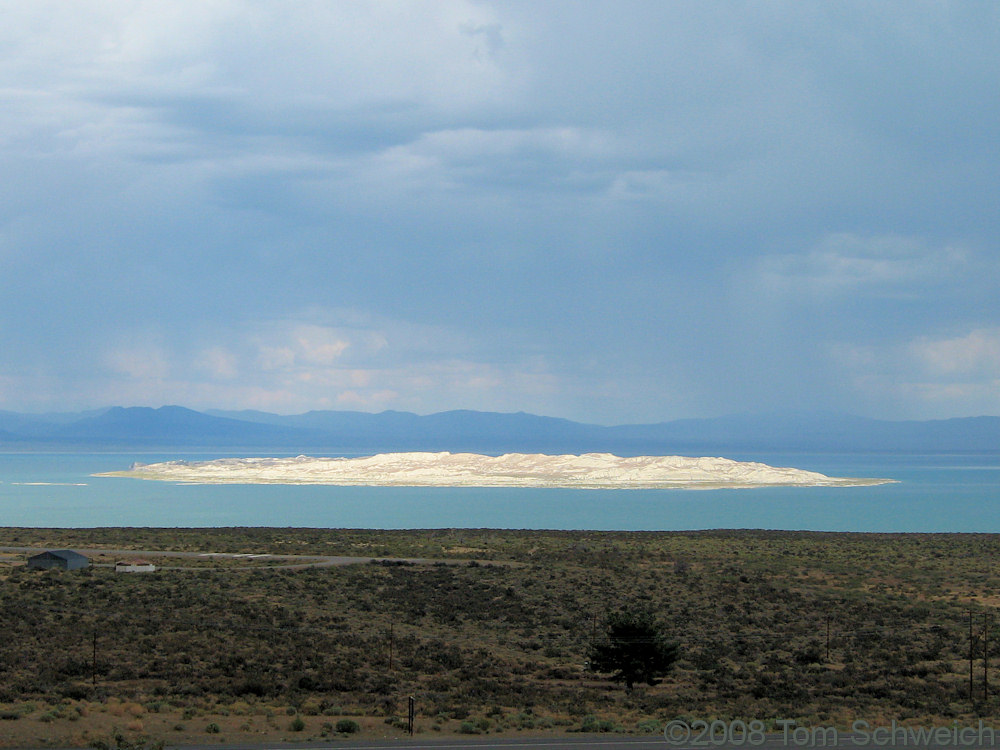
[(487, 648)]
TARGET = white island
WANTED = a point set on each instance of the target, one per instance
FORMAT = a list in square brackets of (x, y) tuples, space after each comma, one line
[(587, 471)]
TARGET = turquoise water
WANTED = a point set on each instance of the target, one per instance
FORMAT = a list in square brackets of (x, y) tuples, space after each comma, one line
[(958, 493)]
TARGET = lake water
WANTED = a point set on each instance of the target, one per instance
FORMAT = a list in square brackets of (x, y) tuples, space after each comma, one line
[(935, 493)]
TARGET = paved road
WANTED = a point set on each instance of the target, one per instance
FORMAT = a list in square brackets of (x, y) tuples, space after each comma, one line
[(280, 561), (776, 741), (473, 743), (443, 743)]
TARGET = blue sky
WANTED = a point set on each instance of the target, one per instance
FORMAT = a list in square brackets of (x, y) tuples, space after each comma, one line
[(612, 212)]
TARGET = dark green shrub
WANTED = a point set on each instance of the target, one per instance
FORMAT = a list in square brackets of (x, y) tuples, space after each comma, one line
[(592, 724), (348, 726)]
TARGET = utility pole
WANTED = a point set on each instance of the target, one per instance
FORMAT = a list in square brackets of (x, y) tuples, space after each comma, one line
[(970, 655), (410, 714), (828, 639), (986, 657)]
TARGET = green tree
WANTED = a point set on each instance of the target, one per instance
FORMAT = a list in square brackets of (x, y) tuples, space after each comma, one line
[(634, 649)]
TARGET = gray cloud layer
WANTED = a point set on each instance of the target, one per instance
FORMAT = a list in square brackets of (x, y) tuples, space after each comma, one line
[(624, 212)]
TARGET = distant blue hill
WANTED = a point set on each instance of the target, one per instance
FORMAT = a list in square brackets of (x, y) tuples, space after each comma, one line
[(821, 432), (445, 431), (168, 426), (123, 428)]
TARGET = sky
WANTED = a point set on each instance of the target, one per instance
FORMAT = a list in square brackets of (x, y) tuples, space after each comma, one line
[(610, 212)]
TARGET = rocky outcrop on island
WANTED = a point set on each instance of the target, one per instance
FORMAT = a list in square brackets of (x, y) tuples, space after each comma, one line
[(587, 471)]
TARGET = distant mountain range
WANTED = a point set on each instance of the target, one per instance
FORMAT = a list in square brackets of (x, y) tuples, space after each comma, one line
[(175, 427)]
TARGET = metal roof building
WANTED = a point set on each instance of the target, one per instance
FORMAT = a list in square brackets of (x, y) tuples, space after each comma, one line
[(62, 559)]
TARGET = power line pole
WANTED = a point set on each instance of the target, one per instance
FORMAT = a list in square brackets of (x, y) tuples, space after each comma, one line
[(986, 658), (828, 639), (970, 655)]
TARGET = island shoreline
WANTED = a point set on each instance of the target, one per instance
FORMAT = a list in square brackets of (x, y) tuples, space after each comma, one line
[(598, 471)]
